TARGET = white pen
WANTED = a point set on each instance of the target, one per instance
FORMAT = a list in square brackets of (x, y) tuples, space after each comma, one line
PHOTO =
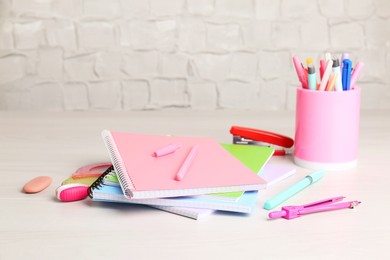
[(326, 75), (336, 69), (328, 56)]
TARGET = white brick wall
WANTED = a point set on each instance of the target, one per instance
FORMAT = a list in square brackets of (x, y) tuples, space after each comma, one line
[(199, 54)]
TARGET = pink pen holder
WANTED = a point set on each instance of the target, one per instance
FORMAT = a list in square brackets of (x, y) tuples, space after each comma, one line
[(327, 129)]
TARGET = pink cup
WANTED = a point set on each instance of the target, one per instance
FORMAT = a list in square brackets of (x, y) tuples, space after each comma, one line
[(327, 129)]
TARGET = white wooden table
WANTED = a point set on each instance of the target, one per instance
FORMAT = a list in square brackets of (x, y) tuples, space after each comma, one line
[(37, 226)]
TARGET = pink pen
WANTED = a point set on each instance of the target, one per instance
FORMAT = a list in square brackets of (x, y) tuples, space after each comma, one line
[(302, 75), (166, 150), (356, 73), (322, 68), (187, 163), (290, 212)]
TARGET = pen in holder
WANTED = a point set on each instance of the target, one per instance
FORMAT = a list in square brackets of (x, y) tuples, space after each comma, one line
[(327, 129)]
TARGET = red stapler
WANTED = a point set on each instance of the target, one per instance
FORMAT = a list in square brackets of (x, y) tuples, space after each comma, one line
[(251, 136)]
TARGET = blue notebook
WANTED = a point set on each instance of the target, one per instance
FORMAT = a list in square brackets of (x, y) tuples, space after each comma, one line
[(272, 173), (115, 194)]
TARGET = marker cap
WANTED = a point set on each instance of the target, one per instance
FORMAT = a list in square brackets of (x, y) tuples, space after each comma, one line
[(311, 69), (315, 176), (336, 63)]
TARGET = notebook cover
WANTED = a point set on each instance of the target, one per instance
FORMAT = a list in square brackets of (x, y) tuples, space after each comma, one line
[(193, 213), (271, 172), (196, 207), (274, 173), (254, 157), (143, 176), (244, 205)]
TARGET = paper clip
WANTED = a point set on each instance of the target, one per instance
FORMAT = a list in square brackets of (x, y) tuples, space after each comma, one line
[(291, 212), (251, 136)]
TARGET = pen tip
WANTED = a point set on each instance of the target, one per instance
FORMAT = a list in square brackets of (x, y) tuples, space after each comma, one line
[(267, 205)]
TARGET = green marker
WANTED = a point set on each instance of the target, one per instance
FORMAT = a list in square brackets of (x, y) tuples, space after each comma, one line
[(297, 187)]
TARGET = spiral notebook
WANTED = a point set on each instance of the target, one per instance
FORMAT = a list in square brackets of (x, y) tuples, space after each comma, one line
[(251, 156), (244, 153), (196, 207), (109, 178), (143, 176)]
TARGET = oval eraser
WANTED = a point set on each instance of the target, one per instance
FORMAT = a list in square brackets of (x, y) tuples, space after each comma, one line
[(72, 192), (37, 184)]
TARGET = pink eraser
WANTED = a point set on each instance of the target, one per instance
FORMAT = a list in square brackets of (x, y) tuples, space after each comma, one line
[(37, 184), (72, 192)]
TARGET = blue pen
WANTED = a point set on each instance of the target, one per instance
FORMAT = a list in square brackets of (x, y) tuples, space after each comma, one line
[(346, 77), (343, 57), (297, 187)]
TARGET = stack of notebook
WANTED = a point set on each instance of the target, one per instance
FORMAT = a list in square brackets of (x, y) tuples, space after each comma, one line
[(223, 177)]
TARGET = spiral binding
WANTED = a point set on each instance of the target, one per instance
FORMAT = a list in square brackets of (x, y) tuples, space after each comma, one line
[(100, 181), (124, 179)]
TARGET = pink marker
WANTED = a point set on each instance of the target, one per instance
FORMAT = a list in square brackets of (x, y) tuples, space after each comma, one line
[(290, 212), (300, 72), (356, 73), (166, 150), (187, 163), (322, 68)]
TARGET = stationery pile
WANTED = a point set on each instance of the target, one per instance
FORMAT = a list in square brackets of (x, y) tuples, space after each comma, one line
[(189, 176)]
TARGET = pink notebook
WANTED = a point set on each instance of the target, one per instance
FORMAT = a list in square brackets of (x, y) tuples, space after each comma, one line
[(141, 175)]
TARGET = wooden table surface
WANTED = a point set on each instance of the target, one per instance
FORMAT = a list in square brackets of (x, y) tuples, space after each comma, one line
[(38, 226)]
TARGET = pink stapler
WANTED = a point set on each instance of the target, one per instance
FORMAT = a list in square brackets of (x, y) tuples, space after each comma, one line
[(290, 212)]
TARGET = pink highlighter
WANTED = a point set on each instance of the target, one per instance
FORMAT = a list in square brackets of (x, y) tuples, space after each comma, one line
[(72, 192)]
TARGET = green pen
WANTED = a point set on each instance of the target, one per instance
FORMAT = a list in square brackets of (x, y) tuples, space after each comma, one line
[(297, 187)]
